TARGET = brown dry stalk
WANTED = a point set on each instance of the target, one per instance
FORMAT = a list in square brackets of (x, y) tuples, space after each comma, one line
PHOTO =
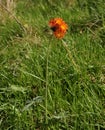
[(76, 67), (9, 12)]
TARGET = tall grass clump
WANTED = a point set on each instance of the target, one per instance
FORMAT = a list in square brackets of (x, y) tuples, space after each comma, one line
[(48, 83)]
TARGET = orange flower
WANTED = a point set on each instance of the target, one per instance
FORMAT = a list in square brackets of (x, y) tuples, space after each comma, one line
[(58, 26)]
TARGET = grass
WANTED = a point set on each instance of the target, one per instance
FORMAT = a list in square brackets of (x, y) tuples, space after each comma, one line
[(40, 87)]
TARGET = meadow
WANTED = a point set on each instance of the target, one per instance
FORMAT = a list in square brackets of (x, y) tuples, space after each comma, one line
[(48, 83)]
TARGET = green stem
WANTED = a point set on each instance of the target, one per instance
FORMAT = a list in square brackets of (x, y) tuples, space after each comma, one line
[(47, 82)]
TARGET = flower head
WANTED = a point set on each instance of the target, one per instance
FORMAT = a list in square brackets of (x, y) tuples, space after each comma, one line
[(58, 26)]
